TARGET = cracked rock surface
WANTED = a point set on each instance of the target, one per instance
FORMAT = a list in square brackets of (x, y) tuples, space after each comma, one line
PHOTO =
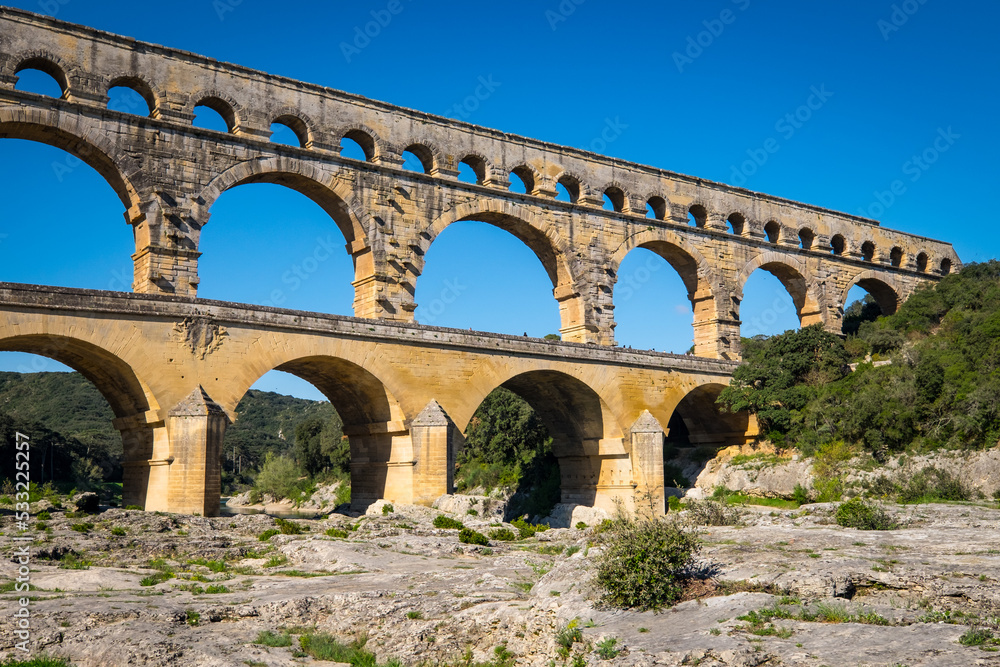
[(182, 590)]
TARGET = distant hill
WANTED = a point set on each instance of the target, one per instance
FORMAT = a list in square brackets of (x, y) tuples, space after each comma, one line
[(69, 419)]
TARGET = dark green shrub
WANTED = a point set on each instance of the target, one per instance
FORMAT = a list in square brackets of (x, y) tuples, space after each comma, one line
[(933, 483), (502, 535), (645, 563), (336, 532), (288, 527), (526, 530), (268, 534), (976, 637), (800, 494), (119, 531), (442, 521), (44, 516), (469, 536), (388, 509), (864, 515)]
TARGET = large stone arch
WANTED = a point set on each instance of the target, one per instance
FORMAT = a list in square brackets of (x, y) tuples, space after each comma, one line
[(587, 439), (77, 136), (382, 452), (808, 299), (132, 401), (698, 420), (703, 286), (883, 289), (324, 188), (316, 183), (543, 239)]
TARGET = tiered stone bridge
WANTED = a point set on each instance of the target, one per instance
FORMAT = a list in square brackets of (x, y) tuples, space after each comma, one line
[(174, 377)]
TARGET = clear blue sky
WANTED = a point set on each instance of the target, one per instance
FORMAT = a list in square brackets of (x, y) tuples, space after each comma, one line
[(897, 72)]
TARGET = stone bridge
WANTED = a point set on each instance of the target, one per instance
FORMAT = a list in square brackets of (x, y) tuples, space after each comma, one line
[(168, 175), (174, 367)]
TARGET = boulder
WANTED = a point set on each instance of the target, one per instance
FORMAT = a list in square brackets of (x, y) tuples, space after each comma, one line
[(566, 515), (87, 502)]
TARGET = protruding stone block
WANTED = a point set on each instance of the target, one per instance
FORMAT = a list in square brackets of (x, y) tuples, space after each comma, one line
[(196, 427), (647, 463), (434, 437)]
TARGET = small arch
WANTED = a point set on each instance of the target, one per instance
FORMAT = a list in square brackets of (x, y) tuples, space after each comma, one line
[(296, 125), (922, 262), (838, 244), (569, 188), (47, 67), (773, 231), (945, 266), (868, 251), (656, 208), (737, 223), (222, 108), (132, 94), (698, 216), (614, 199), (422, 160), (896, 256), (525, 176), (360, 145), (476, 165), (885, 294), (806, 238)]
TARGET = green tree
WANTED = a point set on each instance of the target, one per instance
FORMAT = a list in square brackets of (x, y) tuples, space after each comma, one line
[(780, 374), (504, 429), (320, 444), (863, 310)]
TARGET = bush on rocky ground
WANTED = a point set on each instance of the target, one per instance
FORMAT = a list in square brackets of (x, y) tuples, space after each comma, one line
[(864, 515), (644, 563)]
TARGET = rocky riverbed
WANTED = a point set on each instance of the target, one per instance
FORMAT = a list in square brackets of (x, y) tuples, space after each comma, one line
[(126, 587)]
